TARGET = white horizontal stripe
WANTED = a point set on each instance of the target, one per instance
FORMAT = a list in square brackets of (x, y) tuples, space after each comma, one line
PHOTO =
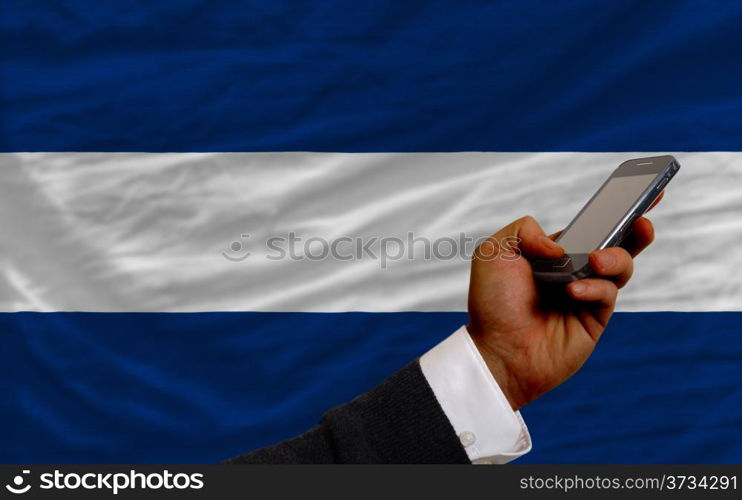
[(146, 232)]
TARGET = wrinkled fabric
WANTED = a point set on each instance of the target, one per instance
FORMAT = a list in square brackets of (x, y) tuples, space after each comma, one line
[(129, 336)]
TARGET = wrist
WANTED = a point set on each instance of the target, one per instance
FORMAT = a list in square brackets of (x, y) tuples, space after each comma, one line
[(499, 370)]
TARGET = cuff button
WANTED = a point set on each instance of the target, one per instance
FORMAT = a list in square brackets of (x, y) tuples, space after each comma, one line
[(467, 438)]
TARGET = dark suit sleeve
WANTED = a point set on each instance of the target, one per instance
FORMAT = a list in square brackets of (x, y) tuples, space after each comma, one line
[(399, 421)]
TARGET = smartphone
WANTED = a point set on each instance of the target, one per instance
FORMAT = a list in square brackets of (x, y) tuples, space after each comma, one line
[(608, 216)]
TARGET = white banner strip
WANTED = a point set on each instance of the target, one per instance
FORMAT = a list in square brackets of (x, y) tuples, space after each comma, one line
[(172, 232)]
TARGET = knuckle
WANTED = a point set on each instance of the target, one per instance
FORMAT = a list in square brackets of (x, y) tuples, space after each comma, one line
[(608, 289), (623, 257), (487, 249), (527, 219), (524, 224)]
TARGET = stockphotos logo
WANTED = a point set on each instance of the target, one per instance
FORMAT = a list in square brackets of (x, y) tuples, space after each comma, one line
[(18, 485), (113, 482)]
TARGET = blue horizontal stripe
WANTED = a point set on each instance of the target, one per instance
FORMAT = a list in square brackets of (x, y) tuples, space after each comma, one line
[(199, 387), (192, 75)]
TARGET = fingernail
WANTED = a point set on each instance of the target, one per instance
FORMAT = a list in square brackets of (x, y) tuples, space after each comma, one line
[(549, 243), (578, 288), (606, 260)]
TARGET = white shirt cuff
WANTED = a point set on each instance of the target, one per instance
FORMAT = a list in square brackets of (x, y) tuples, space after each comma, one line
[(488, 428)]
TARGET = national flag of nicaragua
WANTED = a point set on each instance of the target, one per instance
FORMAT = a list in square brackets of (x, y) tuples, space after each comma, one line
[(188, 191)]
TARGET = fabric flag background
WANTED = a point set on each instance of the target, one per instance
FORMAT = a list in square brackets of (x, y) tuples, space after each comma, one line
[(147, 149)]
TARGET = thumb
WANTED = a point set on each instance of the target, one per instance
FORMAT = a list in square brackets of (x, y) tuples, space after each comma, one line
[(532, 240)]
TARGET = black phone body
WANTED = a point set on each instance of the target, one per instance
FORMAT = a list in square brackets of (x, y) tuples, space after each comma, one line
[(608, 216)]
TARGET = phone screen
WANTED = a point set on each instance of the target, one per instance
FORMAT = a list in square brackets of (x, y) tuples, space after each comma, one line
[(603, 213)]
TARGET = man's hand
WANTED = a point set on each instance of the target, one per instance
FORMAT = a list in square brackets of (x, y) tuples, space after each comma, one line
[(532, 337)]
